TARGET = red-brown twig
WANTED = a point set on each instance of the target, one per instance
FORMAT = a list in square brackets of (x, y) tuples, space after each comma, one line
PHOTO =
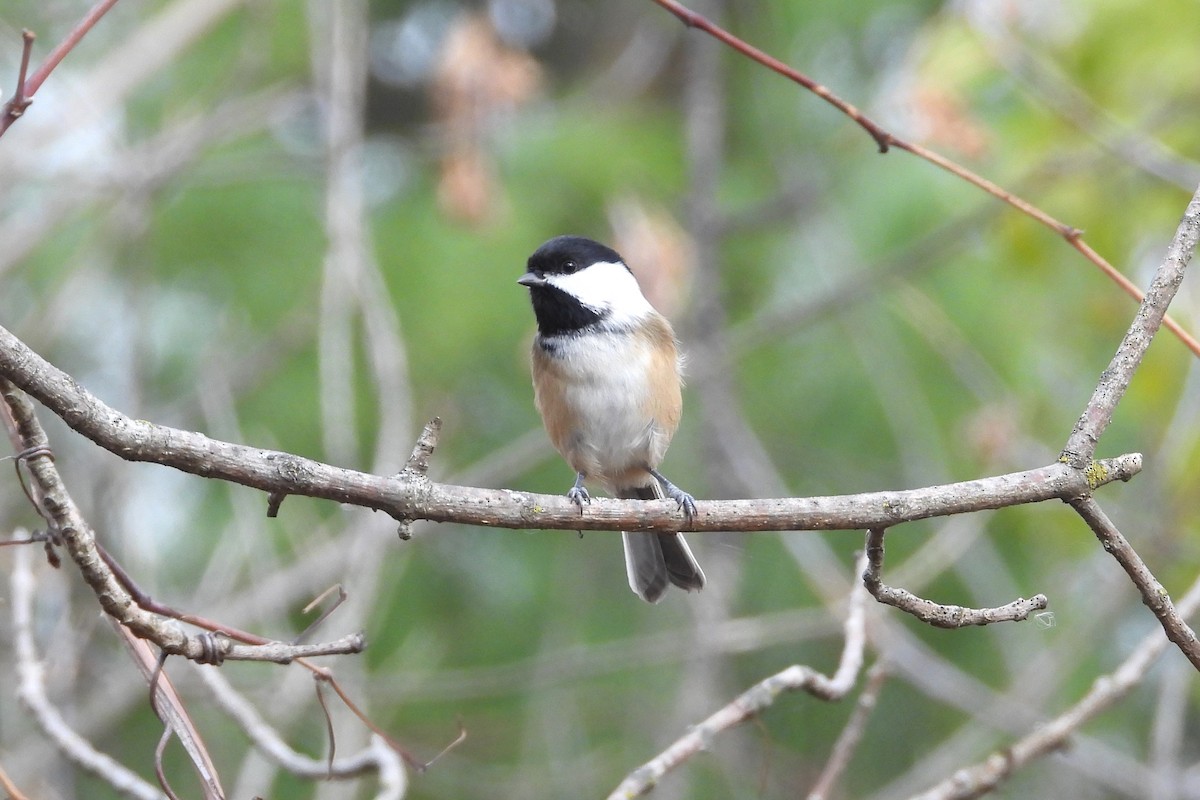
[(7, 785), (1115, 380), (887, 140), (27, 87), (20, 99)]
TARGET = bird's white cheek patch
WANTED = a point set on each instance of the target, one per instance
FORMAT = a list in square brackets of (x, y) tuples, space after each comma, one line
[(607, 288)]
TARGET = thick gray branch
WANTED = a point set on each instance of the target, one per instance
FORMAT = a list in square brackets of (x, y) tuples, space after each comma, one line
[(79, 540), (411, 496), (1154, 594), (1081, 446)]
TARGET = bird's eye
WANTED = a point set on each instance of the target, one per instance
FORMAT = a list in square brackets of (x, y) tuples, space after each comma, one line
[(570, 267)]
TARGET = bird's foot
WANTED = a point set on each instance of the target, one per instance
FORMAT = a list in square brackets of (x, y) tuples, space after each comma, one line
[(687, 503), (578, 494)]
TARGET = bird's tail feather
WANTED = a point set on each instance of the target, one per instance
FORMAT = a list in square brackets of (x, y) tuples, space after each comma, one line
[(656, 560)]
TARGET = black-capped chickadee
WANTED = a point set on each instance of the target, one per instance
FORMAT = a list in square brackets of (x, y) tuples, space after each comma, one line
[(606, 380)]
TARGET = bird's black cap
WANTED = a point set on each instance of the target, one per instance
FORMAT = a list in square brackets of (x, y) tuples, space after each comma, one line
[(566, 254)]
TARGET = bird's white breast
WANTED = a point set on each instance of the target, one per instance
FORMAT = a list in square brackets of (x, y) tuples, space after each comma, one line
[(606, 388)]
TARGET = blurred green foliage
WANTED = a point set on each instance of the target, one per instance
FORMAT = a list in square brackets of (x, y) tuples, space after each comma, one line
[(966, 344)]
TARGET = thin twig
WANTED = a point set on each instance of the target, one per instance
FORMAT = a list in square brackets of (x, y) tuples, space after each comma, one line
[(15, 107), (20, 99), (1081, 445), (936, 614), (330, 733), (159, 772), (342, 595), (1048, 737), (31, 691), (1154, 595), (851, 736), (80, 542), (886, 140), (758, 698), (11, 788)]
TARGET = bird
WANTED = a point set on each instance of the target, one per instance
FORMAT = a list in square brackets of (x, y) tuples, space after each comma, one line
[(607, 381)]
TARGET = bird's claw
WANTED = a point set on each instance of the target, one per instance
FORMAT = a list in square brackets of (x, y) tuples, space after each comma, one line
[(579, 495), (687, 503)]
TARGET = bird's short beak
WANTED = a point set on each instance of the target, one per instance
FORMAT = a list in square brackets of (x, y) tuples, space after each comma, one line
[(531, 279)]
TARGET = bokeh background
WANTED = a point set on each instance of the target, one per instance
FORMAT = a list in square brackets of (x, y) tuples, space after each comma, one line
[(299, 226)]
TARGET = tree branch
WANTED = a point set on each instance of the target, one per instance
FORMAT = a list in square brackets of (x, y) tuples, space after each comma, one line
[(1154, 595), (410, 496), (936, 614), (886, 140), (758, 698), (1081, 445), (27, 87), (1047, 738), (56, 504)]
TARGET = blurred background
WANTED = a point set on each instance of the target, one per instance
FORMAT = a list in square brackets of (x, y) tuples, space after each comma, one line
[(299, 226)]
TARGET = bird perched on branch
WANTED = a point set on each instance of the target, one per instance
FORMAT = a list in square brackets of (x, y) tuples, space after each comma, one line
[(606, 380)]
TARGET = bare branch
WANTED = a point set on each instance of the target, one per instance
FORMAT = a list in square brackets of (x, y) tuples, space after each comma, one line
[(26, 88), (80, 542), (1154, 594), (1051, 736), (271, 743), (936, 614), (886, 140), (758, 698), (31, 690), (406, 499), (851, 736), (1081, 445)]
